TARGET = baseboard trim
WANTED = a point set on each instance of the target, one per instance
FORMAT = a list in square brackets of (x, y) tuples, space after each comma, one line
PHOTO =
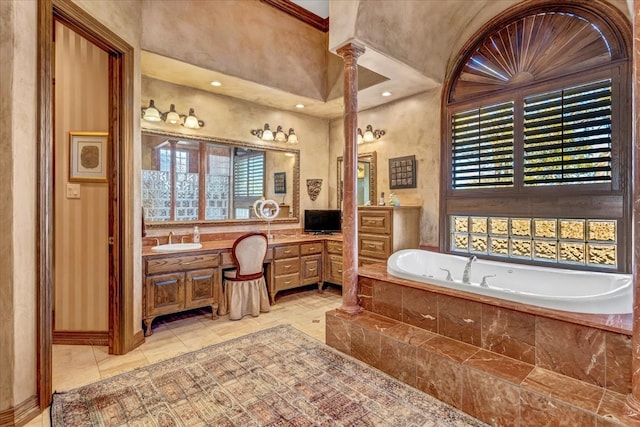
[(138, 340), (20, 414), (81, 337)]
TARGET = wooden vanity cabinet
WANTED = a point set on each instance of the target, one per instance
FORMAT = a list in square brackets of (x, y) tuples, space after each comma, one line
[(383, 230), (311, 264), (333, 262), (295, 265), (286, 269), (175, 283)]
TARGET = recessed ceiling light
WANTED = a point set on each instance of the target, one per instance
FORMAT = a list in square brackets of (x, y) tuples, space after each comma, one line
[(386, 93), (299, 105), (215, 83)]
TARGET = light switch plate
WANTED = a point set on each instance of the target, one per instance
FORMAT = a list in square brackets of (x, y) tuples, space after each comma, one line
[(73, 191)]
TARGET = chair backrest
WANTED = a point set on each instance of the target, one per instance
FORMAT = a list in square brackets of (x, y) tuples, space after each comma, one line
[(249, 252)]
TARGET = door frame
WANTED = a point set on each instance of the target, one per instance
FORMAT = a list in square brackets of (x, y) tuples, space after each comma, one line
[(121, 59)]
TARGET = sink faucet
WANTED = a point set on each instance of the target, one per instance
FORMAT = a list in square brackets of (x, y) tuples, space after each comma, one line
[(171, 237), (467, 270)]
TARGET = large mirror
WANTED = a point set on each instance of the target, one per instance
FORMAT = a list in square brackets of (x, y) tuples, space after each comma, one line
[(188, 180), (366, 179)]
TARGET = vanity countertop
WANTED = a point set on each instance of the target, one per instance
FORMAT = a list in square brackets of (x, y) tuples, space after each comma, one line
[(227, 244)]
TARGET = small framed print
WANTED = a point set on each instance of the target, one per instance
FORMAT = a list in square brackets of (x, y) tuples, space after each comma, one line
[(280, 182), (88, 156), (402, 172)]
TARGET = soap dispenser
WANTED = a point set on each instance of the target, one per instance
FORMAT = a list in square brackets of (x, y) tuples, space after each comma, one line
[(196, 234)]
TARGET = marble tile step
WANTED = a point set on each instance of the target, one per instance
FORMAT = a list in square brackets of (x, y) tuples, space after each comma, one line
[(495, 388)]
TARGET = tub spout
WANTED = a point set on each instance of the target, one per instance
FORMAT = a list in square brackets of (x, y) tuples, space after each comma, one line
[(467, 270)]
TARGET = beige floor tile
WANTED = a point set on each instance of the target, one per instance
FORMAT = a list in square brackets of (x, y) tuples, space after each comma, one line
[(74, 366)]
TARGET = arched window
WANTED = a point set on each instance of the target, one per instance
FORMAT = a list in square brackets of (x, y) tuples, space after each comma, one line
[(536, 119)]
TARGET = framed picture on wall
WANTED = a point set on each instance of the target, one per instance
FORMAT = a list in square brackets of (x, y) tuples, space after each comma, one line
[(402, 172), (280, 182), (88, 156)]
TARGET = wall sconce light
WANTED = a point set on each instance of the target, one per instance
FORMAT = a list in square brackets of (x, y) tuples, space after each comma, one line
[(152, 114), (369, 135), (266, 134)]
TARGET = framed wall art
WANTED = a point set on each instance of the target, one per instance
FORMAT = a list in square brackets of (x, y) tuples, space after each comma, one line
[(88, 156), (280, 182), (402, 172)]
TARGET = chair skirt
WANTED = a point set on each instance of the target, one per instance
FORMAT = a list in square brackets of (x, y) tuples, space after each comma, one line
[(246, 297)]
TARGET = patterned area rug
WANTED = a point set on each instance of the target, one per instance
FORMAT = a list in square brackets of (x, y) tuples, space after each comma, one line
[(275, 377)]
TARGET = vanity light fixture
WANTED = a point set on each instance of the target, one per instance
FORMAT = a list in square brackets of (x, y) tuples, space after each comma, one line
[(369, 134), (266, 134), (152, 114), (172, 117), (191, 121)]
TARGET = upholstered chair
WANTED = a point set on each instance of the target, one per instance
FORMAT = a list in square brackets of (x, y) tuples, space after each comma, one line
[(245, 288)]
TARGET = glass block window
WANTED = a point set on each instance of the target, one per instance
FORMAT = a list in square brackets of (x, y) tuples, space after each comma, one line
[(546, 240)]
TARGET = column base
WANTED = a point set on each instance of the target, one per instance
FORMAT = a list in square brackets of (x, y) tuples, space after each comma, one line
[(350, 309)]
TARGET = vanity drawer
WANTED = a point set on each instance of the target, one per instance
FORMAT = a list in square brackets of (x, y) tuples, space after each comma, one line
[(311, 248), (334, 247), (181, 263), (376, 222), (286, 266), (374, 246), (286, 282), (287, 251)]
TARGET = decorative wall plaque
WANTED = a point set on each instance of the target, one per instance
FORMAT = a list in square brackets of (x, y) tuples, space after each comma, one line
[(402, 172), (313, 188), (280, 182)]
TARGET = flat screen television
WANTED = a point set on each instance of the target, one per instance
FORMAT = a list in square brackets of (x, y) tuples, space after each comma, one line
[(322, 221)]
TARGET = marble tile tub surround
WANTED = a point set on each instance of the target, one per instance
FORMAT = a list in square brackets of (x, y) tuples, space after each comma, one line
[(499, 390), (597, 355)]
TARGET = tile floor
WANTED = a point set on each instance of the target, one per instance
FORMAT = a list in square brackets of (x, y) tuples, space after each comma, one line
[(77, 365)]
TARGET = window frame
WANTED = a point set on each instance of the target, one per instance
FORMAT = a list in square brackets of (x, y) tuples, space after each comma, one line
[(611, 200)]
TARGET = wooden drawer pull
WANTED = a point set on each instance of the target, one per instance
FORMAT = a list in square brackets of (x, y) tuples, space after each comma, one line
[(288, 282), (340, 271), (312, 270)]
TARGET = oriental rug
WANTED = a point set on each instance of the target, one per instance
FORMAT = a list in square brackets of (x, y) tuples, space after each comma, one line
[(276, 377)]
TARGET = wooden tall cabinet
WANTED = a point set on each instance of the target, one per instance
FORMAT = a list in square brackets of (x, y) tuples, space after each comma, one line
[(383, 230)]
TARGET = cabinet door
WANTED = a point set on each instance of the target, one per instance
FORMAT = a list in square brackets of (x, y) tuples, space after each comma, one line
[(200, 287), (374, 246), (334, 267), (310, 269), (165, 294)]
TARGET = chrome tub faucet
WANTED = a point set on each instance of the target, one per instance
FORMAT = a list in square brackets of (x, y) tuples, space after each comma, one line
[(467, 270)]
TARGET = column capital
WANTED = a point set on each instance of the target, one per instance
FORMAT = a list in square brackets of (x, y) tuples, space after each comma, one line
[(350, 50)]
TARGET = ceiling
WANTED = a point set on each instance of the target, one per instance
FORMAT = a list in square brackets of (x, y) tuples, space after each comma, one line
[(392, 76)]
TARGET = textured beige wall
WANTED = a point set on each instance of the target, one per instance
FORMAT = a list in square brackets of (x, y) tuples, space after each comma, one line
[(81, 226), (231, 118), (247, 39), (7, 23), (412, 127), (18, 328)]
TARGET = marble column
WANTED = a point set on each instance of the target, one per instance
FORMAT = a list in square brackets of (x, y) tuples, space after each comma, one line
[(633, 400), (350, 53)]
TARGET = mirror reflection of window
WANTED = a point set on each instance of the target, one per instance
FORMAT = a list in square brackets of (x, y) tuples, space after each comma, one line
[(208, 180), (248, 181)]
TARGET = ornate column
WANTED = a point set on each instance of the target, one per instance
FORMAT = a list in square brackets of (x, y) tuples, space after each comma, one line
[(350, 53), (633, 400)]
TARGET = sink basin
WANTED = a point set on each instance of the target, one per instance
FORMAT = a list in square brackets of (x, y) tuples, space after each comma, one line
[(176, 247)]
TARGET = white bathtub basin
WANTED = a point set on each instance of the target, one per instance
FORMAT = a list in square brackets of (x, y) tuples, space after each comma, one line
[(176, 247)]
